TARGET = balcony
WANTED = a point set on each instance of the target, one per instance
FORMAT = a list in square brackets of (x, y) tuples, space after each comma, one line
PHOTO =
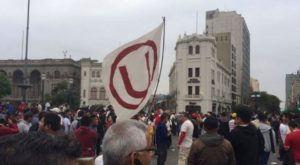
[(193, 97)]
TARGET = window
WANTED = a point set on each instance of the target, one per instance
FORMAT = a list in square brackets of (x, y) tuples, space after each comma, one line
[(212, 76), (83, 93), (218, 76), (190, 90), (213, 52), (190, 72), (212, 91), (197, 90), (84, 73), (197, 72), (197, 51), (190, 50), (93, 74), (56, 74), (93, 93), (218, 92), (98, 73), (102, 93)]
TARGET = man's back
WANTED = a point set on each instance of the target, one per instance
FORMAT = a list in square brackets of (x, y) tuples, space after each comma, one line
[(246, 142), (87, 138), (211, 149)]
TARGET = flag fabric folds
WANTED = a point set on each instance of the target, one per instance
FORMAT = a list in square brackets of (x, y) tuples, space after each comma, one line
[(130, 73)]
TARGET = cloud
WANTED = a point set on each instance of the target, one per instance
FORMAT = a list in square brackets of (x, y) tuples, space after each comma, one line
[(94, 28)]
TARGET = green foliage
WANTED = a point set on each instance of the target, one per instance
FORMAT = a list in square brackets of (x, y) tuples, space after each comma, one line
[(62, 94), (267, 102), (5, 87)]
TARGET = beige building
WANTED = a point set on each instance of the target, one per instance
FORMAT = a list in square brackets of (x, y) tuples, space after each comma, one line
[(200, 81), (92, 88), (231, 22), (292, 89), (43, 76), (254, 85)]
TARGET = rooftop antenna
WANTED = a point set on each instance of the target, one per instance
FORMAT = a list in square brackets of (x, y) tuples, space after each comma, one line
[(65, 53), (197, 22)]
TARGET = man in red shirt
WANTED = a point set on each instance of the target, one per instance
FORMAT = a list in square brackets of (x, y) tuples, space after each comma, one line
[(87, 137), (292, 141), (10, 128)]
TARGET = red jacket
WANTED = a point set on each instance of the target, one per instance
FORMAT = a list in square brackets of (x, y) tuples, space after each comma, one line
[(11, 129), (87, 138)]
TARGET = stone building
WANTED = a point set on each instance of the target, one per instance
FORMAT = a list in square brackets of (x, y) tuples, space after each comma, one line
[(43, 75), (234, 24), (292, 89)]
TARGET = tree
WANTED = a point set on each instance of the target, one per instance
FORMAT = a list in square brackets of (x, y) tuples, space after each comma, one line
[(62, 94), (266, 102), (5, 87)]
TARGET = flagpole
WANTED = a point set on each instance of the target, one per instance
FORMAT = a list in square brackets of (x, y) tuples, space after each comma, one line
[(162, 60)]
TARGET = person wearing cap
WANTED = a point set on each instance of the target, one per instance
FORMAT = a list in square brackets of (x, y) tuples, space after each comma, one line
[(211, 148), (231, 122)]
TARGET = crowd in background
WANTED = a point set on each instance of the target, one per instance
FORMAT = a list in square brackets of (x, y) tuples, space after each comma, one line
[(235, 134)]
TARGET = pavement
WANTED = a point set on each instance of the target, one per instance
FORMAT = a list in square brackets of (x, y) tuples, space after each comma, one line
[(172, 156)]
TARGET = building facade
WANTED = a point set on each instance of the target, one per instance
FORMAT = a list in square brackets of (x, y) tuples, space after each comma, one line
[(254, 85), (92, 88), (292, 89), (198, 79), (230, 22), (226, 53), (43, 76)]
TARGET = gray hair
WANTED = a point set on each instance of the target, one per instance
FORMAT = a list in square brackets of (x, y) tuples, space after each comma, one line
[(121, 139)]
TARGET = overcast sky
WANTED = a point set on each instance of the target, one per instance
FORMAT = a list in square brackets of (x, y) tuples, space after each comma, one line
[(93, 28)]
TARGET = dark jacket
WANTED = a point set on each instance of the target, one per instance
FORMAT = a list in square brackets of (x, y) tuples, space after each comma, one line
[(162, 134), (211, 149), (247, 142)]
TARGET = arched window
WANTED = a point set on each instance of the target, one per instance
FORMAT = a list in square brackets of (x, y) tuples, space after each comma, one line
[(94, 93), (190, 49), (93, 73), (56, 74), (102, 93), (35, 81), (197, 51), (17, 79), (3, 72), (98, 73)]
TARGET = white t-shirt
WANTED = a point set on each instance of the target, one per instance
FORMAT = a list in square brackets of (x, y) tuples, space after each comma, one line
[(67, 124), (231, 124), (284, 130), (188, 128)]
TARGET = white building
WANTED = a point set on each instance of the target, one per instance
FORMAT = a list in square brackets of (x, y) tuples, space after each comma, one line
[(231, 22), (92, 91), (199, 80)]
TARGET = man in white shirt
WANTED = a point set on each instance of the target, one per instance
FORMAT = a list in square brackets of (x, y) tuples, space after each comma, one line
[(25, 123), (185, 138), (284, 130)]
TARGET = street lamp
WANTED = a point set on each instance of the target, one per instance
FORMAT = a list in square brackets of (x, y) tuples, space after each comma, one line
[(71, 81), (43, 77), (255, 96), (25, 84)]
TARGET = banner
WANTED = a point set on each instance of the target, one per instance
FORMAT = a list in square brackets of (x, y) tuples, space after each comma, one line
[(130, 73)]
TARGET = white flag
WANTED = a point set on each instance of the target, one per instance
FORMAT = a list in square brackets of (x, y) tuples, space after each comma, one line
[(130, 73)]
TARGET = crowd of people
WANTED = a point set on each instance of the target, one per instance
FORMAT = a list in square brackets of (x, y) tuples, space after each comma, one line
[(92, 136)]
